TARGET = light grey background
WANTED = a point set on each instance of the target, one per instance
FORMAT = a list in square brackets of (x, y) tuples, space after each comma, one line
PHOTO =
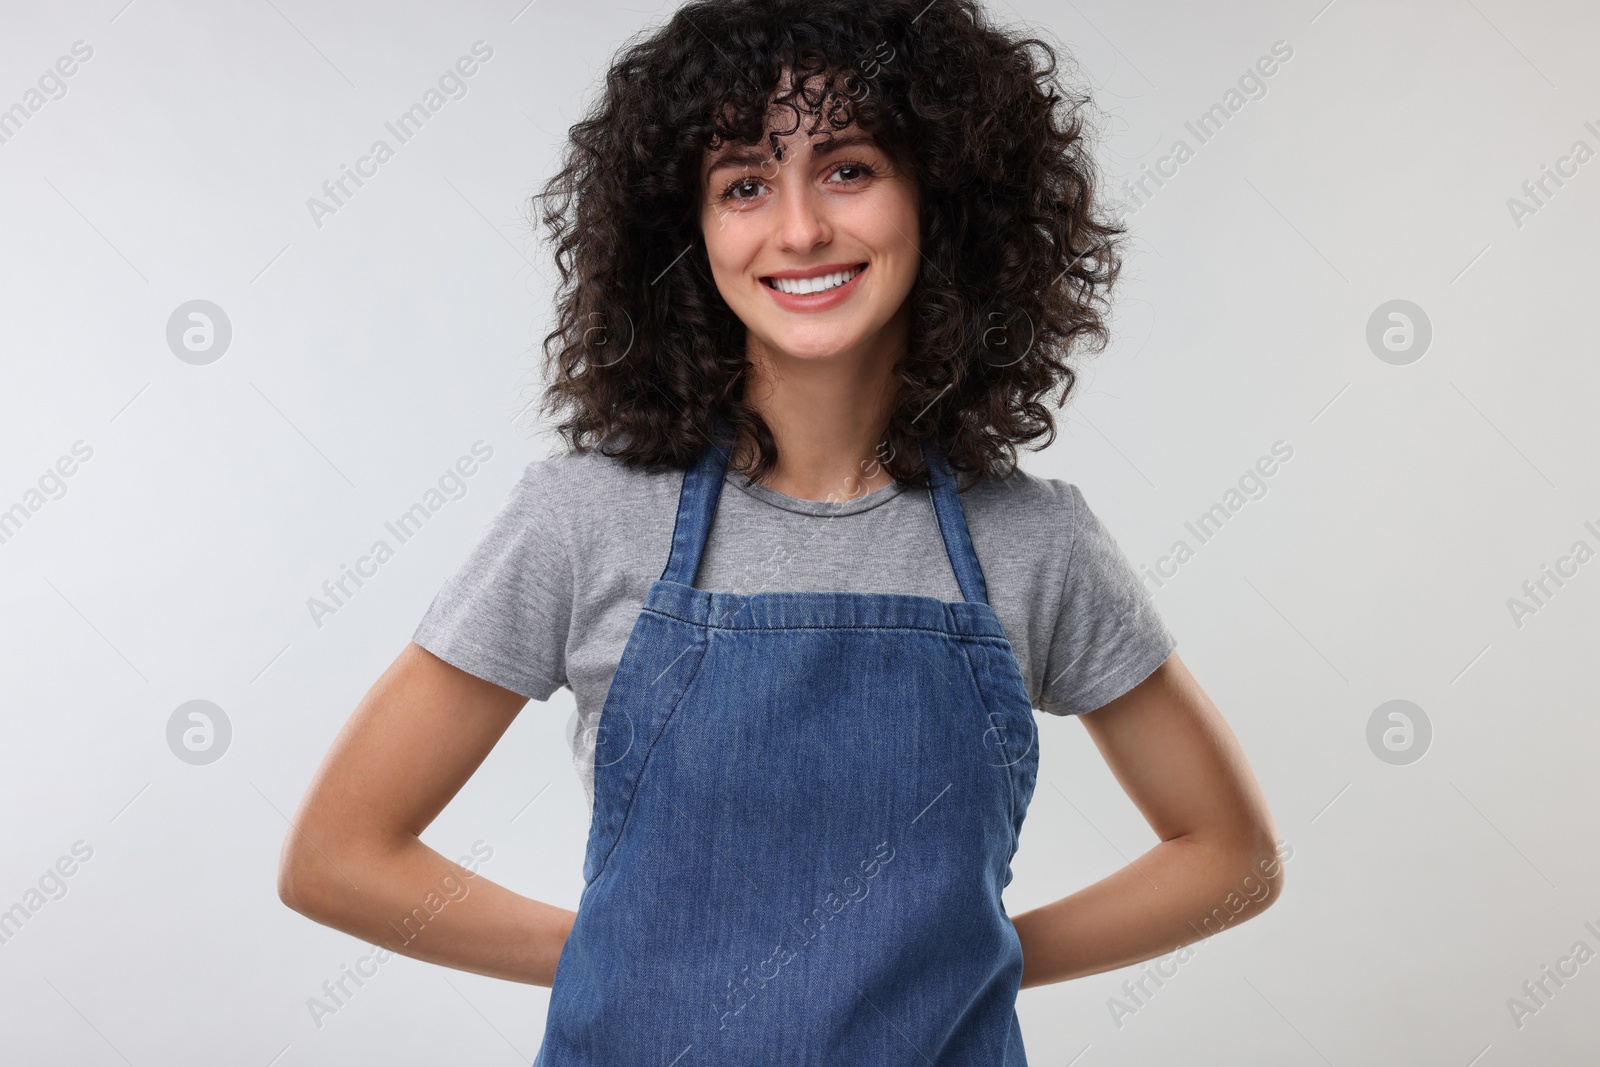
[(370, 352)]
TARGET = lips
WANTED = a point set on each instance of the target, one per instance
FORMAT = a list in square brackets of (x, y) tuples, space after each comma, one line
[(823, 300), (838, 274)]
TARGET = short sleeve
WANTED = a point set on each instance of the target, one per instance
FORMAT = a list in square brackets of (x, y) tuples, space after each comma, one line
[(1108, 635), (504, 615)]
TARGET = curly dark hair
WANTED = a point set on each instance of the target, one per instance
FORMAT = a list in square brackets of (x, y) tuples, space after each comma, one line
[(647, 361)]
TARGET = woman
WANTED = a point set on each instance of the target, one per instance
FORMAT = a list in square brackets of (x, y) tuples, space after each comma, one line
[(830, 255)]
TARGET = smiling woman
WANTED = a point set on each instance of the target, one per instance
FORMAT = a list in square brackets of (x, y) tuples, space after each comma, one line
[(916, 142), (805, 657)]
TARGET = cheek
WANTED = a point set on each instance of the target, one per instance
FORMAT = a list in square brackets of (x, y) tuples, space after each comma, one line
[(898, 224), (729, 268), (719, 230), (724, 230), (899, 246), (720, 248)]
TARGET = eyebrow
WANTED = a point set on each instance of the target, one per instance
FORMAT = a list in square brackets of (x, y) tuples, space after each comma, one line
[(753, 156)]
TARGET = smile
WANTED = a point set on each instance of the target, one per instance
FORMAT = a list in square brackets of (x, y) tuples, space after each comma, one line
[(819, 284)]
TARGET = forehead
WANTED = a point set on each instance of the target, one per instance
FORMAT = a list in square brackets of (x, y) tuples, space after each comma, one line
[(821, 143), (809, 113)]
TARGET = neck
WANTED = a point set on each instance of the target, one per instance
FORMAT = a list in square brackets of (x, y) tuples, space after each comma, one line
[(827, 417)]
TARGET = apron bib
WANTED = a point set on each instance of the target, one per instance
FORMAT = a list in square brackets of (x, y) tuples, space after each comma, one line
[(805, 810)]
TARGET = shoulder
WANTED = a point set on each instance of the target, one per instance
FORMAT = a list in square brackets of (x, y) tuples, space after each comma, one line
[(574, 483), (1024, 528), (1026, 505), (1047, 520), (591, 498)]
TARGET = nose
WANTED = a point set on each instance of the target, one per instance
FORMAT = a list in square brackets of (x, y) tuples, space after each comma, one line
[(802, 216)]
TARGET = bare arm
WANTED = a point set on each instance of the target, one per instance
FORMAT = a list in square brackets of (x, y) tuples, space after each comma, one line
[(1215, 866), (353, 859)]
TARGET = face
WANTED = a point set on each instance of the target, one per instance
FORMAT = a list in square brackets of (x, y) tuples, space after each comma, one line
[(830, 208)]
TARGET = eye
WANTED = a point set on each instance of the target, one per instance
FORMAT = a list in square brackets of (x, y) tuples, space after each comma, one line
[(863, 168), (732, 190), (738, 183)]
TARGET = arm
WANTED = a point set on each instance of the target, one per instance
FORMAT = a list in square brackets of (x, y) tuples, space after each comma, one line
[(1215, 866), (353, 860)]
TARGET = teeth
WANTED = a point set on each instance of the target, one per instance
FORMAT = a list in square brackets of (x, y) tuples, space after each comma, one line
[(801, 286)]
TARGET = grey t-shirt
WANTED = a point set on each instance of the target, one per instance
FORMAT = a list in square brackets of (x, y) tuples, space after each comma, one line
[(551, 591)]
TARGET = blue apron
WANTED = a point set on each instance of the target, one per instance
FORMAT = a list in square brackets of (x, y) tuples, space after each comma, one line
[(805, 810)]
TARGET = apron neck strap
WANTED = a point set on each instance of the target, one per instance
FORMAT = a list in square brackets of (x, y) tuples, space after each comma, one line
[(702, 487), (697, 506), (953, 526)]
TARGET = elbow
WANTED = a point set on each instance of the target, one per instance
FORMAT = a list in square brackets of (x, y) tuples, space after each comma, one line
[(1262, 863), (289, 888), (298, 885), (1246, 866)]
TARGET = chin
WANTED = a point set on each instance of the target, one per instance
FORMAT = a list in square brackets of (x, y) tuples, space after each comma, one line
[(813, 346)]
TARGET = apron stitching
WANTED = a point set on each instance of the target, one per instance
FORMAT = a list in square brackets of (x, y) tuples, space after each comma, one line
[(644, 763), (1011, 773), (833, 626)]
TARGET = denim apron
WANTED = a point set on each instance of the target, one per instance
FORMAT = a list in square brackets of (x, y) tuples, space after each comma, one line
[(805, 810)]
